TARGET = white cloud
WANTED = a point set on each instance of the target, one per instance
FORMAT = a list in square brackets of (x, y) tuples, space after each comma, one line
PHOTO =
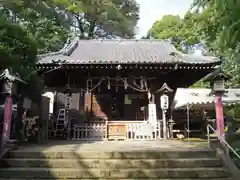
[(152, 10)]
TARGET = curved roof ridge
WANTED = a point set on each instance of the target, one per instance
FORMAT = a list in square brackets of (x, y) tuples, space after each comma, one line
[(70, 48), (69, 45)]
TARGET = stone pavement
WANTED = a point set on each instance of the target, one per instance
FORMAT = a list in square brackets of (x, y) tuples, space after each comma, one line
[(110, 146)]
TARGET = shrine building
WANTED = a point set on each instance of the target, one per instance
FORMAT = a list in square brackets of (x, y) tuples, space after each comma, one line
[(121, 81)]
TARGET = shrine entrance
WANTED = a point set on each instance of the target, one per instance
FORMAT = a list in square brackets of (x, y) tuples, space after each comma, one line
[(119, 98)]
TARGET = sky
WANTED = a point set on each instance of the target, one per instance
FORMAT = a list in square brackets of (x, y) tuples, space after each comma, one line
[(152, 10)]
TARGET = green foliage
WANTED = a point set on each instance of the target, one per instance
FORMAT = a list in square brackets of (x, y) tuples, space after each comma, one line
[(17, 46), (52, 22), (215, 23), (49, 28), (48, 34), (226, 12), (18, 50), (98, 18), (168, 28), (184, 33)]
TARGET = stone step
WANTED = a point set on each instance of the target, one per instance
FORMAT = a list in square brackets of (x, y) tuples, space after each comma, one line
[(53, 173), (120, 179), (112, 155), (113, 163)]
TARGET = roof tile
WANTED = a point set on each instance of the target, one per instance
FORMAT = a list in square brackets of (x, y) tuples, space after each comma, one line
[(121, 52)]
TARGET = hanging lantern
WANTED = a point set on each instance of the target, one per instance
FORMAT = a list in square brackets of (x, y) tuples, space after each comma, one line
[(164, 101)]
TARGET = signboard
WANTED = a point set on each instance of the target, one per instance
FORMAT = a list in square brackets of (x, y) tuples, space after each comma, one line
[(7, 120), (152, 114), (164, 102)]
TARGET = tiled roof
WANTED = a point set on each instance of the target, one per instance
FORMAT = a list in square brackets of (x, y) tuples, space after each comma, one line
[(122, 52)]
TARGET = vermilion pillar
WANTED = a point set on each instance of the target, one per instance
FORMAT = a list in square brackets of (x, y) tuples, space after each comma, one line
[(219, 115), (217, 80), (8, 89), (7, 120)]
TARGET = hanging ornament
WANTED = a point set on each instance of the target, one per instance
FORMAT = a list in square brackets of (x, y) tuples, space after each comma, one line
[(125, 84), (134, 82), (149, 95), (89, 84), (145, 83), (142, 84), (108, 85)]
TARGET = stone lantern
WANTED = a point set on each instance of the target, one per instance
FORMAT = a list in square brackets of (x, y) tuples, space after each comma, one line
[(9, 83), (217, 80)]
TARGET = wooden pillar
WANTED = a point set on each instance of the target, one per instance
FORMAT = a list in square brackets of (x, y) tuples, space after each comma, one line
[(44, 118)]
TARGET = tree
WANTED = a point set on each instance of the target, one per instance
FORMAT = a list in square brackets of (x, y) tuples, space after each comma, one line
[(220, 25), (52, 22), (99, 18), (183, 33), (18, 51), (90, 18), (226, 13), (48, 27), (167, 28), (202, 27), (17, 47)]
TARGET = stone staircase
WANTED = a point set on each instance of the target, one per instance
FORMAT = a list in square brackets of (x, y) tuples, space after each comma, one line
[(162, 165)]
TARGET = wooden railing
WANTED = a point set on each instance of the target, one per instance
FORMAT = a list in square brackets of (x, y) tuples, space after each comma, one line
[(134, 131), (89, 132), (144, 131)]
